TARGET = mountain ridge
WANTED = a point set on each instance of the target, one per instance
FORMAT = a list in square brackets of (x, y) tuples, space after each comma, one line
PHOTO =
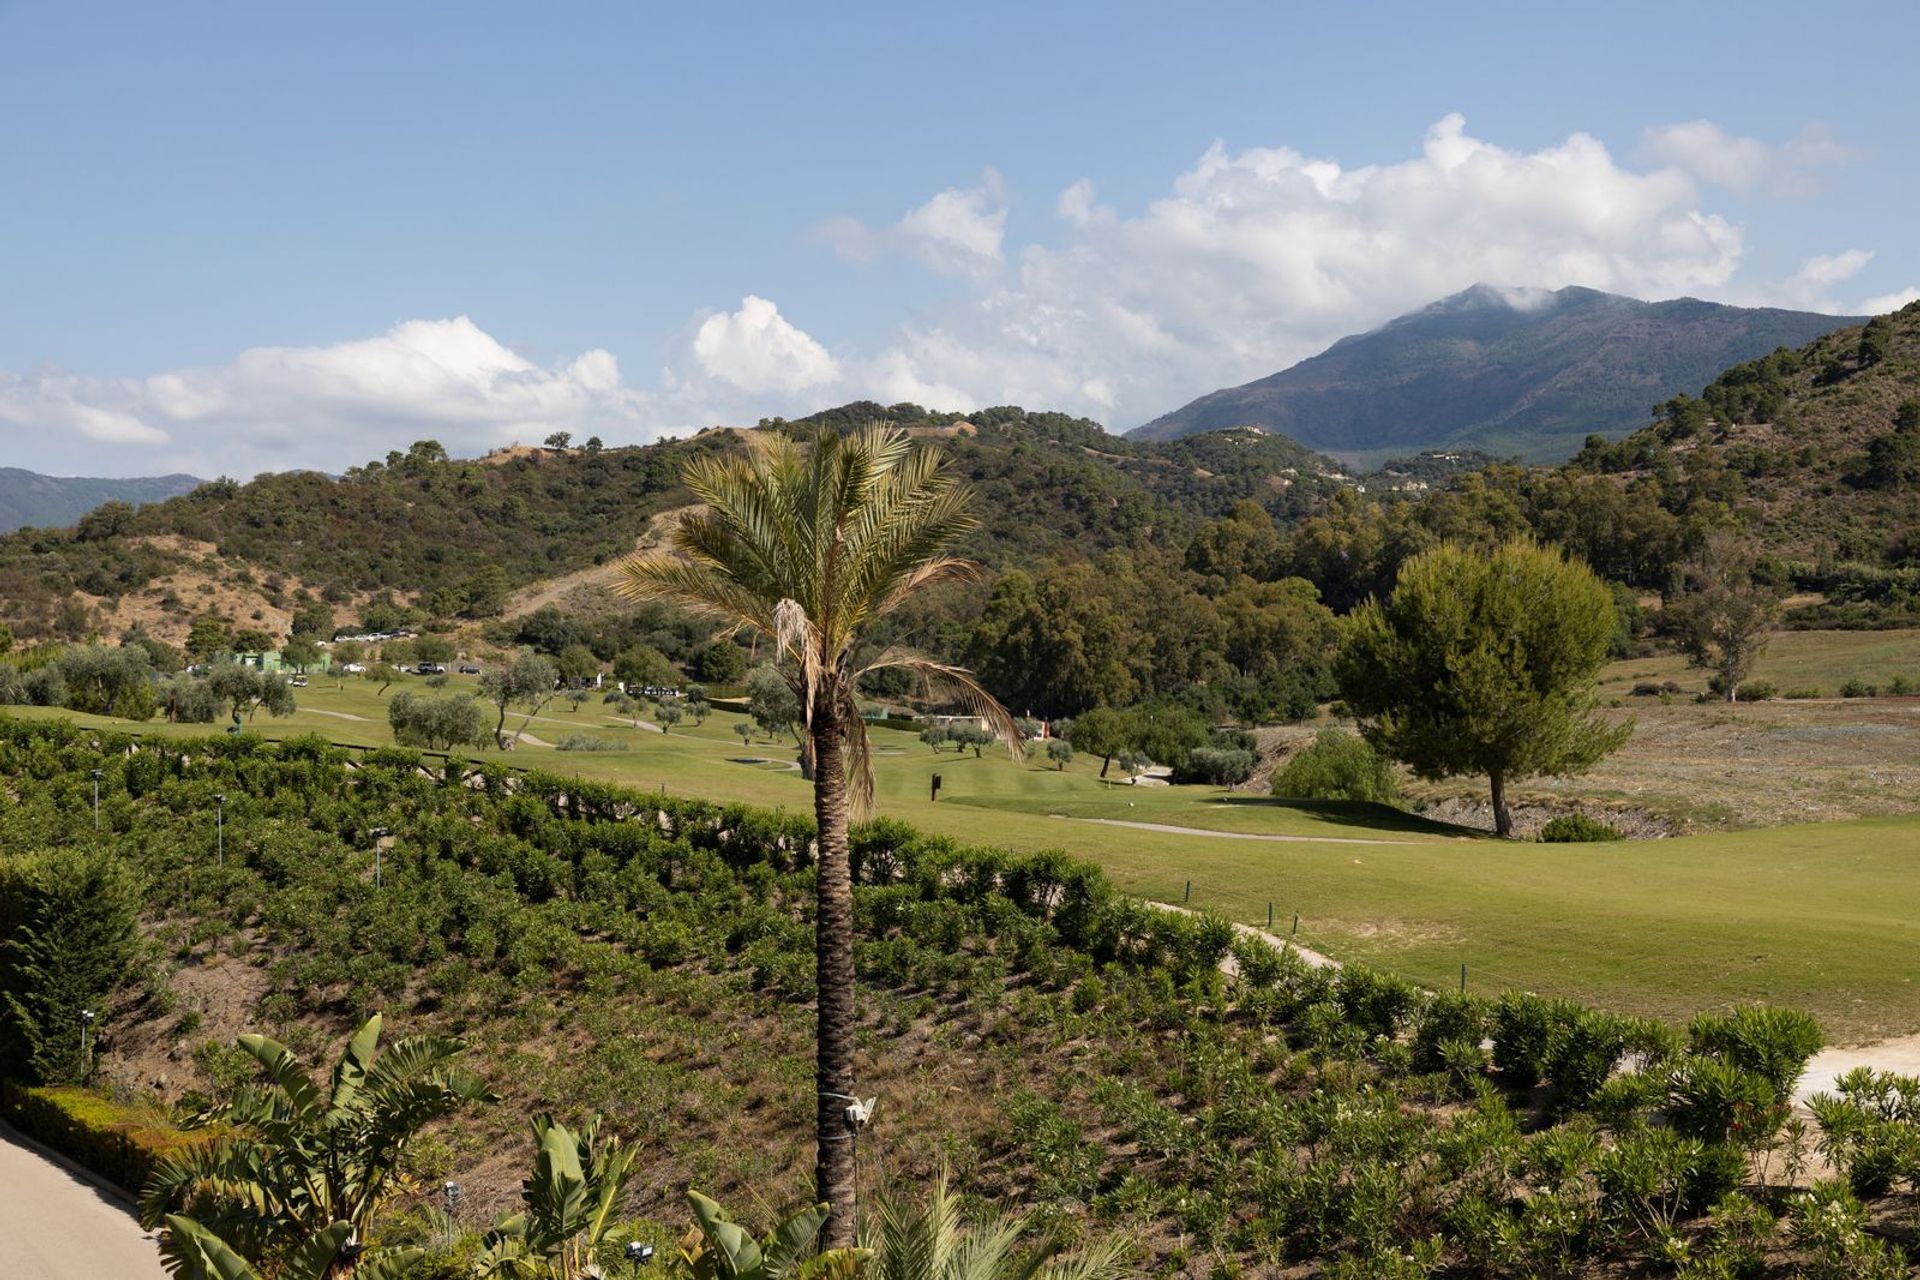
[(28, 498), (1530, 373)]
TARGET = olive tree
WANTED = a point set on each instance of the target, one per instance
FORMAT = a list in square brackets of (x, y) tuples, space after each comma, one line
[(1722, 618), (530, 683), (1484, 664)]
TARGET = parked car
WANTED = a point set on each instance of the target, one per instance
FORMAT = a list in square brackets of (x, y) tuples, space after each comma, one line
[(354, 668), (468, 669), (298, 682), (429, 669)]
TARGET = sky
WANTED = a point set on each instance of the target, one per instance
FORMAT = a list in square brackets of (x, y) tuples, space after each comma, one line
[(239, 237)]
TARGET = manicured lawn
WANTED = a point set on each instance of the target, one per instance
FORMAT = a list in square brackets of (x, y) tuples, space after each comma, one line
[(1825, 916)]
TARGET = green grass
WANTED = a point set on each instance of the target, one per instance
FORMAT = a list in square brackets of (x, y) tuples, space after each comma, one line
[(1823, 916)]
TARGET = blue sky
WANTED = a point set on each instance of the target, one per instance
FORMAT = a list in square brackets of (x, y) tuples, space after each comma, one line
[(238, 237)]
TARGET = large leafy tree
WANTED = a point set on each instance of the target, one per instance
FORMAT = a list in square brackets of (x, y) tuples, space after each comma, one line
[(1722, 618), (808, 544), (1484, 663), (296, 1162)]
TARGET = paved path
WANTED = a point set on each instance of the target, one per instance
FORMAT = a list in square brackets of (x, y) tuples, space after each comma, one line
[(56, 1226), (1235, 835)]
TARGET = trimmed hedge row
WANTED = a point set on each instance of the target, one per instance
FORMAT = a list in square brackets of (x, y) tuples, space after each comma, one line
[(122, 1144)]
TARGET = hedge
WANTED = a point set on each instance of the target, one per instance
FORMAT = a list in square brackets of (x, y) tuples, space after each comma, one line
[(120, 1143)]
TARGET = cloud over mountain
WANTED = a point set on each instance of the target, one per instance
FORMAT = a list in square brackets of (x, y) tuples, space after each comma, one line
[(1253, 259)]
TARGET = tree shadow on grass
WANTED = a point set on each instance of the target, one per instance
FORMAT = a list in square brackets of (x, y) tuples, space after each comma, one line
[(1352, 813)]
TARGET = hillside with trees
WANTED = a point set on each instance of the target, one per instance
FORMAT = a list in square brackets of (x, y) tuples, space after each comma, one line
[(28, 498), (451, 539), (1117, 572), (1813, 453)]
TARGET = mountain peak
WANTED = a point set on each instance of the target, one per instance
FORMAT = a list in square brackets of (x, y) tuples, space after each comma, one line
[(1502, 368)]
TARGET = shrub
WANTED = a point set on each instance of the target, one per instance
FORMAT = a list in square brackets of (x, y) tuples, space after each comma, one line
[(1714, 1100), (1523, 1026), (1830, 1224), (1338, 765), (1576, 828), (1855, 687), (1772, 1043), (1219, 766), (1758, 691), (1448, 1019), (1900, 687), (587, 742), (1582, 1051), (1802, 694), (1377, 1003)]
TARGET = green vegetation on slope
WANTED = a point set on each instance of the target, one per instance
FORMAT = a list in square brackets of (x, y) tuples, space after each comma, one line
[(1066, 1050)]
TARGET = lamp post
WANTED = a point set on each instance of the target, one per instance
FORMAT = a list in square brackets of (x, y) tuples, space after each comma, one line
[(452, 1190), (220, 829), (378, 834), (86, 1026), (96, 801)]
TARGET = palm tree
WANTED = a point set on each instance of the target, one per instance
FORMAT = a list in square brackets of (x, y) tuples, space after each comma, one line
[(808, 545), (302, 1161)]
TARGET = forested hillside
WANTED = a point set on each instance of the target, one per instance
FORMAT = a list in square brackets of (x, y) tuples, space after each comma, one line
[(1816, 451), (454, 537), (28, 498), (1118, 570)]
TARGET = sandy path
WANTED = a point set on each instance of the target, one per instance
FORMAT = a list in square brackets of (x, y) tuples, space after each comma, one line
[(1900, 1055), (1229, 966), (54, 1225), (1235, 835), (338, 715)]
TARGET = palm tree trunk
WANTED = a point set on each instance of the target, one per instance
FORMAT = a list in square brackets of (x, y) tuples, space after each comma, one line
[(833, 980)]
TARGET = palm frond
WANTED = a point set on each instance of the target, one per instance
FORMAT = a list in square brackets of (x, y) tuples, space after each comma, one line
[(948, 683)]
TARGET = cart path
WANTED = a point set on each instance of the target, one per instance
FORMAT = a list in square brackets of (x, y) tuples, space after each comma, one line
[(1900, 1055), (58, 1226)]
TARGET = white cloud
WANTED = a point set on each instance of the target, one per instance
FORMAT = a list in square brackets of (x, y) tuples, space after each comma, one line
[(757, 350), (1253, 259), (959, 232), (1711, 154), (1257, 258), (1883, 303), (328, 407), (1811, 287)]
